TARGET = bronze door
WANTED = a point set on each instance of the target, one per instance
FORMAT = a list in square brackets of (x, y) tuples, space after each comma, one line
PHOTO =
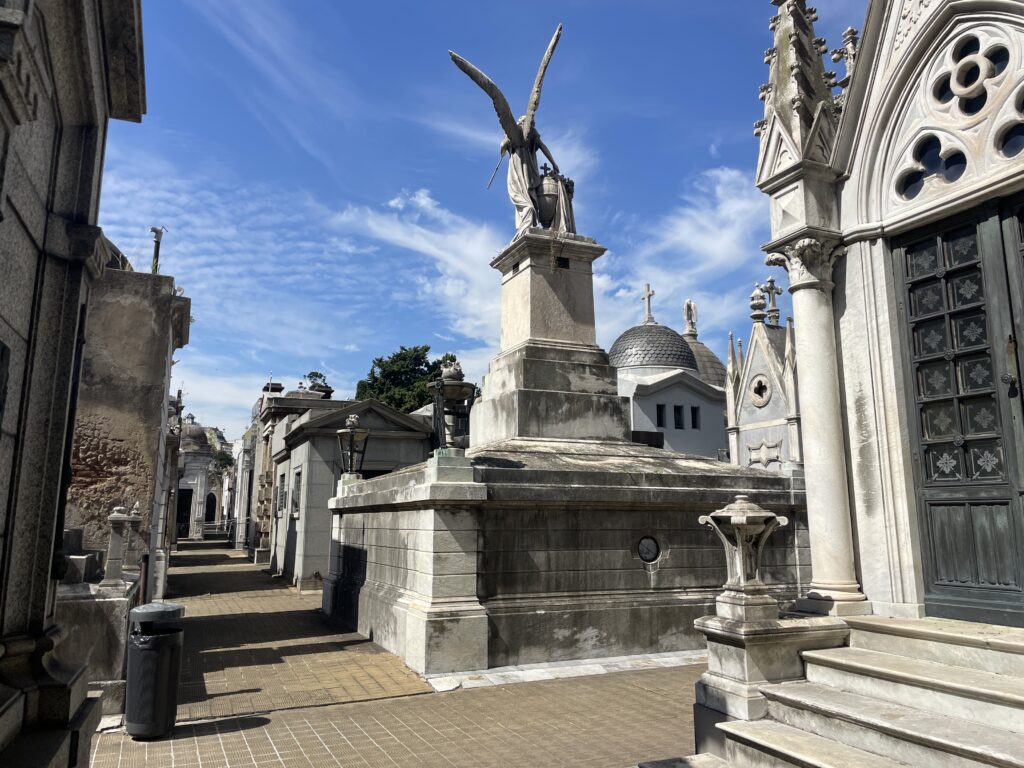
[(961, 311)]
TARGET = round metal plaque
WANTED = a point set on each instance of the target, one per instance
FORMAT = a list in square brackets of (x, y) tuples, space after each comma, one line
[(648, 549)]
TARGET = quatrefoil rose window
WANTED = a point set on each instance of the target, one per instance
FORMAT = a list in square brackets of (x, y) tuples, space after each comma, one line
[(970, 74)]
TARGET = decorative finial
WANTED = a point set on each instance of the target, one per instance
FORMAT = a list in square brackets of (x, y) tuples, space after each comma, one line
[(690, 312), (646, 297), (352, 421), (757, 305), (847, 54)]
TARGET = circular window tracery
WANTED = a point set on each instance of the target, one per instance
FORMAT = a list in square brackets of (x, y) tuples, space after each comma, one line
[(760, 390), (1011, 140), (967, 79), (929, 156)]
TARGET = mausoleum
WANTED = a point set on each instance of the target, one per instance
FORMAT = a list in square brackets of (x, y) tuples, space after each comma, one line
[(674, 384)]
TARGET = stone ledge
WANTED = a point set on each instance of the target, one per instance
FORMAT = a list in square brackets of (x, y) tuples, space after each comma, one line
[(948, 631), (975, 741)]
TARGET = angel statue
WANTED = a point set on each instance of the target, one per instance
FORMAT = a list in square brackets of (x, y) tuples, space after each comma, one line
[(540, 200)]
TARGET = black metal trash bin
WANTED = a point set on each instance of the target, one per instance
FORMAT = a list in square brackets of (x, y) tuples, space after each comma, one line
[(154, 669)]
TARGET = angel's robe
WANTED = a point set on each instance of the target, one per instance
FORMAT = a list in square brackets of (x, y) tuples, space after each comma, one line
[(523, 181)]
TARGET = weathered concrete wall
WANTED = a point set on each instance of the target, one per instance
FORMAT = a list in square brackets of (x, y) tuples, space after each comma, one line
[(556, 583), (122, 407), (536, 559), (99, 616)]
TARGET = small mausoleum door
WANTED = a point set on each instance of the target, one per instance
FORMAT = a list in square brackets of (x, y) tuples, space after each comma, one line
[(962, 305)]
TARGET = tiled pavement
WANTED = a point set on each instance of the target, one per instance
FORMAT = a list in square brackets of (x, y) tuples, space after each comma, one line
[(265, 673), (254, 645)]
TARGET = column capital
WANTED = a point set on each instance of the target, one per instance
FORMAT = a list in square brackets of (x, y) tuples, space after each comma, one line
[(809, 262)]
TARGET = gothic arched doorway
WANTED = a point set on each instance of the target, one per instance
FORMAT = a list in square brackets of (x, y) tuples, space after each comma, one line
[(211, 507)]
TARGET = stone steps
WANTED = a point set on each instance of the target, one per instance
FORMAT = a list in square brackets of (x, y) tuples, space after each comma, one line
[(769, 744), (696, 761), (902, 733), (984, 647), (968, 694), (924, 693)]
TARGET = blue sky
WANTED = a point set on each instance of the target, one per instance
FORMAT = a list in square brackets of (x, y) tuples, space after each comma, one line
[(320, 167)]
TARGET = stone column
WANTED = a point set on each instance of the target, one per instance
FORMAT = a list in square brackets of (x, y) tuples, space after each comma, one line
[(834, 588)]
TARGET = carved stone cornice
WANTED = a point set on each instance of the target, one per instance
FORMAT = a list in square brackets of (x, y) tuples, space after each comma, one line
[(809, 262), (82, 243)]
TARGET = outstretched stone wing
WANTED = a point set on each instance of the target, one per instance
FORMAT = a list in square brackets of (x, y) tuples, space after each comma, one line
[(531, 109), (505, 117)]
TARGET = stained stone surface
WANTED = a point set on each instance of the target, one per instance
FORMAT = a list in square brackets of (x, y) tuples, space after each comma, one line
[(529, 553)]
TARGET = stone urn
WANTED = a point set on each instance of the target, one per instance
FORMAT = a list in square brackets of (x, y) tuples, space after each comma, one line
[(743, 528), (547, 200)]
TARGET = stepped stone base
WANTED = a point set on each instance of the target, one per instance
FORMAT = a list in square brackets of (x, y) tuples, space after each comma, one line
[(550, 391), (905, 692)]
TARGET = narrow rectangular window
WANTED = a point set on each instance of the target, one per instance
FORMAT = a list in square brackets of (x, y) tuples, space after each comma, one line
[(296, 491), (660, 415), (695, 417), (282, 489), (677, 416)]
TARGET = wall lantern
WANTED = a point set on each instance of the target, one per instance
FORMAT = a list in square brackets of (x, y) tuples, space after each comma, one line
[(352, 440), (453, 400)]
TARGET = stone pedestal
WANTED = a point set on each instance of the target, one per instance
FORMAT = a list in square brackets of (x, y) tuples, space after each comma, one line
[(550, 379), (749, 645)]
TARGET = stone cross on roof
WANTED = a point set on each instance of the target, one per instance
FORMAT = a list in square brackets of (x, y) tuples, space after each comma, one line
[(646, 297), (771, 290)]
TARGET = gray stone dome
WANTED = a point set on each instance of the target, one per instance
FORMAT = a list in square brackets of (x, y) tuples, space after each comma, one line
[(652, 344), (711, 370)]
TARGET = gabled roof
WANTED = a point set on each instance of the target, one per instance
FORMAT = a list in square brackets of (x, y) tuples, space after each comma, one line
[(335, 419), (649, 385)]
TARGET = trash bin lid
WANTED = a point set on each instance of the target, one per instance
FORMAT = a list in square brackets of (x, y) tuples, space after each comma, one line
[(157, 612)]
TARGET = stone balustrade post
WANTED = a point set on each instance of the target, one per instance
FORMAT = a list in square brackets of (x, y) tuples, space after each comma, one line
[(834, 588), (132, 540), (112, 571)]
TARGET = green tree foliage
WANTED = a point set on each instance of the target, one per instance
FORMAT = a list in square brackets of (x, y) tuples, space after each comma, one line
[(317, 381), (401, 379), (222, 462)]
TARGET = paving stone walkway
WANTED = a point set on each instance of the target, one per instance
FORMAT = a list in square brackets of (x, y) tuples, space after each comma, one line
[(267, 683)]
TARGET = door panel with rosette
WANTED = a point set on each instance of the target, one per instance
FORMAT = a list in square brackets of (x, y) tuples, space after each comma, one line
[(961, 310)]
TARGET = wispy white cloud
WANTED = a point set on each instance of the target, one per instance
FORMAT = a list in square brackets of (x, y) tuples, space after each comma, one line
[(268, 289), (460, 284), (476, 137), (295, 90), (705, 248)]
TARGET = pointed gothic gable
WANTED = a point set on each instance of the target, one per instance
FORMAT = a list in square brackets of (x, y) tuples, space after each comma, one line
[(766, 356), (778, 151)]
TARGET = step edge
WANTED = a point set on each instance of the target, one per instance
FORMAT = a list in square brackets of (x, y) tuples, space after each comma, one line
[(787, 697), (825, 659), (802, 760), (872, 625)]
